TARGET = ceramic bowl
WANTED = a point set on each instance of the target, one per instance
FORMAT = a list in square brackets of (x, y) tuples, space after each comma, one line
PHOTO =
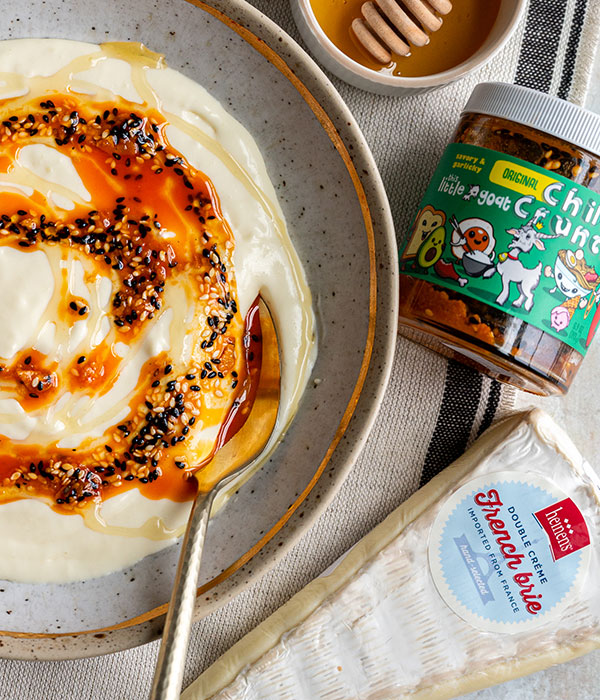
[(339, 220), (328, 54)]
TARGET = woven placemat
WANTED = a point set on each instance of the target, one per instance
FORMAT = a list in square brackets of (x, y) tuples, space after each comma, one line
[(433, 408)]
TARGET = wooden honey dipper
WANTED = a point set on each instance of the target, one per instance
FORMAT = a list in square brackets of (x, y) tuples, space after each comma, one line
[(387, 28)]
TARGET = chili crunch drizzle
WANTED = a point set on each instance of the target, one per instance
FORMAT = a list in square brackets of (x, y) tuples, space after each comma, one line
[(141, 187)]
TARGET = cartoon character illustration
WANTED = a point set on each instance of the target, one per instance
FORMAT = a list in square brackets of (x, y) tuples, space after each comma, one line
[(473, 244), (432, 248), (426, 221), (473, 192), (576, 280), (572, 275), (512, 270)]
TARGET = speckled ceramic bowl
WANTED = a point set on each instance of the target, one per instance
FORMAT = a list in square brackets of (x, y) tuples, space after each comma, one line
[(340, 222)]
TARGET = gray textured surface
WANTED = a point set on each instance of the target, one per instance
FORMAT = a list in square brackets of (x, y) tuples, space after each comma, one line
[(403, 135)]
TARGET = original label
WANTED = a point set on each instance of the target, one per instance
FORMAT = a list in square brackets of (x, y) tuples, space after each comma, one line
[(512, 235), (508, 552)]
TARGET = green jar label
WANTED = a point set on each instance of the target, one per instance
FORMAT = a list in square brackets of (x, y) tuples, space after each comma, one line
[(514, 236)]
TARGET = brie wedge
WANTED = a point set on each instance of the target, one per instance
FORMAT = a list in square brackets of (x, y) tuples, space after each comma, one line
[(488, 573)]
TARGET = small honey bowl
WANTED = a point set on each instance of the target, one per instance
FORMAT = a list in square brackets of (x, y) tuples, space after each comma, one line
[(469, 36)]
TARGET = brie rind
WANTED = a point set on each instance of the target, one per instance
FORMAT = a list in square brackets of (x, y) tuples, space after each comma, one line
[(376, 626)]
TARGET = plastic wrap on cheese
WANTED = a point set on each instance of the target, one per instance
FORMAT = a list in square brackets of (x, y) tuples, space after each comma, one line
[(489, 572)]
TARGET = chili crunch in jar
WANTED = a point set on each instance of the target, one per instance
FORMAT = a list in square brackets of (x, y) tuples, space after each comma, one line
[(501, 266)]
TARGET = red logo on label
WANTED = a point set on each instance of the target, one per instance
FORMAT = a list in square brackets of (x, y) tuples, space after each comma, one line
[(565, 527)]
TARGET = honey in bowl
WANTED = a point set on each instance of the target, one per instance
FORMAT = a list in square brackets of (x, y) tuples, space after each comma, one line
[(464, 30)]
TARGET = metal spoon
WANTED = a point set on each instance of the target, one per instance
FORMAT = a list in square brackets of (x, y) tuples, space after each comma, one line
[(231, 461)]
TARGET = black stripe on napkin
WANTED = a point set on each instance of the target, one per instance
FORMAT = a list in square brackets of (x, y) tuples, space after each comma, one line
[(462, 394), (572, 48), (493, 401), (540, 44)]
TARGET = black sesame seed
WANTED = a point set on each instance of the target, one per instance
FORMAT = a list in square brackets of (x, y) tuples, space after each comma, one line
[(80, 359), (168, 369), (155, 383), (194, 387)]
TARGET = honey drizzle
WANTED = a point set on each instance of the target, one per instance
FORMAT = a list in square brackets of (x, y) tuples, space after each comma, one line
[(177, 342), (140, 59)]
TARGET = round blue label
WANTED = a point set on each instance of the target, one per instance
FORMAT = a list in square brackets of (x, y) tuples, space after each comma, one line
[(506, 552)]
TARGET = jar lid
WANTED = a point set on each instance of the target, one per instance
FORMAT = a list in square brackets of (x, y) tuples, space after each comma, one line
[(538, 110)]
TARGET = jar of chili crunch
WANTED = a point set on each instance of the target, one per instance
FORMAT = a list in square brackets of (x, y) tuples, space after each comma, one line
[(501, 266)]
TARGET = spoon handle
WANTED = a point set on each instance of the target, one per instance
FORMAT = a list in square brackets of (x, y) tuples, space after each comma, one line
[(168, 675)]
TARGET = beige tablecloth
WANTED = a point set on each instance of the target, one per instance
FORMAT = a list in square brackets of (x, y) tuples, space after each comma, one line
[(551, 51)]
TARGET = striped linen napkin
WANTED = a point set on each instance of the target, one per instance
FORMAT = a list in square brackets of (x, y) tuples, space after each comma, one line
[(433, 408)]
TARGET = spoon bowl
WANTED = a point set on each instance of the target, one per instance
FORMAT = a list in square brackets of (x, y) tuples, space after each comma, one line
[(238, 457)]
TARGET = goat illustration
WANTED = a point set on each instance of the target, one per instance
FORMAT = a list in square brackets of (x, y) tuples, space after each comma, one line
[(511, 269)]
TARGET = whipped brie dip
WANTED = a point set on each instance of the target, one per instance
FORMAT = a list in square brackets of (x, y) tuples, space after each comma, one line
[(40, 544)]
